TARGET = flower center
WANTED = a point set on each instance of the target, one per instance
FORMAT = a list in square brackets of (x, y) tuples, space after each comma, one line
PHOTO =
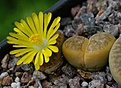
[(36, 39), (38, 42)]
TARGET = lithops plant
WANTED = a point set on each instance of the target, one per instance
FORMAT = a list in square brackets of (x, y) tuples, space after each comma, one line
[(115, 60), (88, 54), (97, 51), (73, 49)]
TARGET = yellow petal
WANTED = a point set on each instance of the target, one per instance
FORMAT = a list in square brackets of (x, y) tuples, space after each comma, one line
[(16, 41), (30, 58), (45, 24), (41, 59), (55, 22), (19, 32), (47, 18), (26, 27), (20, 50), (38, 60), (37, 66), (46, 56), (47, 59), (47, 52), (10, 42), (22, 46), (53, 38), (19, 36), (36, 22), (52, 42), (22, 53), (51, 32), (49, 15), (23, 58), (53, 48), (20, 27), (31, 25), (41, 23)]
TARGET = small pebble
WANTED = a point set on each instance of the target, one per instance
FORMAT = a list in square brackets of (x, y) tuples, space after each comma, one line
[(27, 67), (74, 83), (59, 86), (62, 80), (5, 87), (96, 84), (18, 74), (39, 75), (88, 19), (7, 80), (69, 31), (31, 82), (17, 79), (26, 77), (46, 84), (109, 77), (84, 84), (69, 70), (4, 74), (111, 29), (38, 83), (4, 61), (31, 87), (13, 61), (75, 10), (18, 84), (1, 81), (13, 85), (107, 86)]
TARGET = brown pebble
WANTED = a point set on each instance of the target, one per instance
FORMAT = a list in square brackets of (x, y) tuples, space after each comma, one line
[(7, 80), (99, 13), (26, 77), (31, 82), (84, 74), (75, 10), (18, 74), (46, 84), (4, 61), (1, 81)]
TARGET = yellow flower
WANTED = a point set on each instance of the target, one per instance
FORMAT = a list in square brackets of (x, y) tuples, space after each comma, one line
[(34, 40)]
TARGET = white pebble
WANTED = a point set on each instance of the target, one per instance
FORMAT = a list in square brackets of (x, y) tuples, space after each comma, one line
[(109, 77), (4, 74), (17, 79), (18, 84), (4, 87), (31, 87), (13, 85), (18, 87), (84, 84)]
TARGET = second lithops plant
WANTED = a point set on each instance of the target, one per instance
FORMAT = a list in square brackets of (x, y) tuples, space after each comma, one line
[(115, 60), (88, 54)]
